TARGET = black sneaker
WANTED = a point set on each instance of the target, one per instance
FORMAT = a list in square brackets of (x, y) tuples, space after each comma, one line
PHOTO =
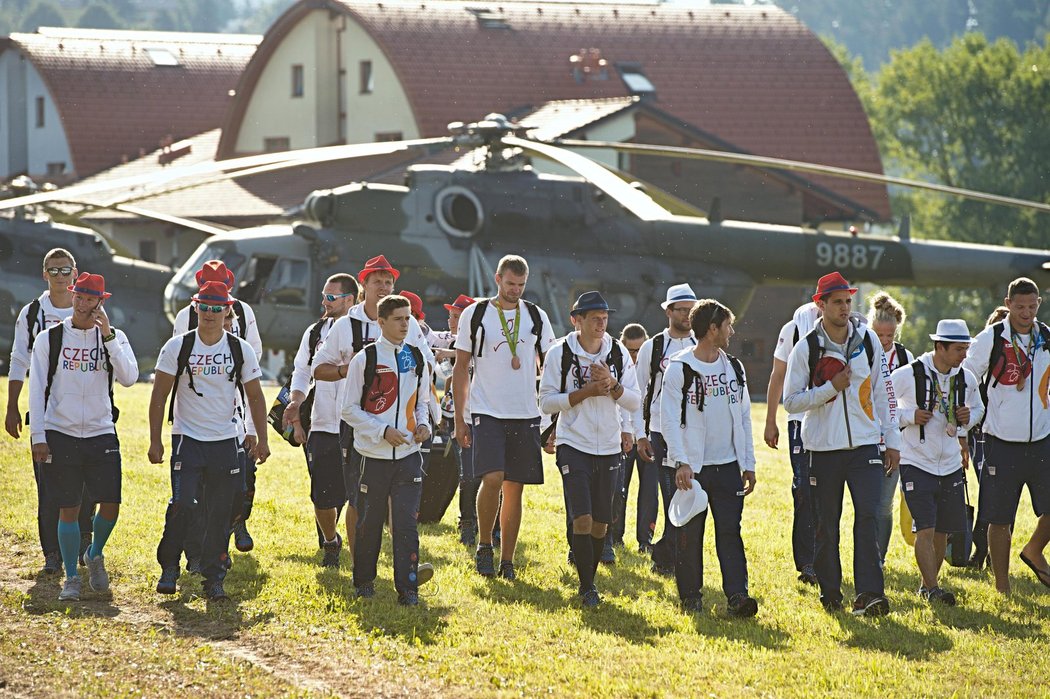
[(977, 560), (193, 565), (663, 570), (645, 549), (742, 606), (808, 575), (52, 563), (241, 538), (166, 584), (939, 594), (870, 604), (483, 561), (331, 552), (365, 591), (571, 558), (409, 599), (831, 605), (608, 556), (506, 570), (468, 536), (214, 591), (692, 604), (590, 599)]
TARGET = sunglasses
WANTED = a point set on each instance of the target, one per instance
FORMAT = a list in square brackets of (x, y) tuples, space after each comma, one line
[(211, 309), (64, 271), (333, 297)]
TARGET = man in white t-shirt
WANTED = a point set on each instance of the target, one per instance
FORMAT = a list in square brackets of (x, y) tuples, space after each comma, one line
[(803, 527), (653, 358), (46, 311), (206, 368), (705, 412), (324, 459), (506, 338)]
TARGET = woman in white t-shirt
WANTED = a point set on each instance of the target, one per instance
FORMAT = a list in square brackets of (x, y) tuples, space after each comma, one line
[(886, 317)]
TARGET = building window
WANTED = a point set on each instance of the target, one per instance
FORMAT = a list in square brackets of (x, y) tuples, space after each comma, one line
[(297, 81), (367, 80), (636, 80), (276, 144), (40, 107), (148, 250), (55, 169), (161, 56), (385, 136)]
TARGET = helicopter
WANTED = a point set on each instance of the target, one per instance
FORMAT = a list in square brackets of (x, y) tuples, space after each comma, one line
[(26, 238), (446, 226)]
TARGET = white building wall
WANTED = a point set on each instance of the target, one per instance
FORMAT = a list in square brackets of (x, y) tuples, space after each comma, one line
[(47, 144)]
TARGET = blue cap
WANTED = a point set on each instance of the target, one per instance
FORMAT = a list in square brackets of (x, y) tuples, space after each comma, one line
[(590, 301)]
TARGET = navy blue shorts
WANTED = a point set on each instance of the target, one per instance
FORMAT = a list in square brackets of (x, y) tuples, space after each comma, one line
[(510, 446), (589, 482), (324, 460), (91, 462), (934, 501), (1008, 467), (191, 458), (351, 463)]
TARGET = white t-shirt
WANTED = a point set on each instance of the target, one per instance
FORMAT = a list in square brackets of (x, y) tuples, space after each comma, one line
[(721, 390), (497, 389), (47, 317), (785, 342), (251, 327), (672, 346), (212, 415)]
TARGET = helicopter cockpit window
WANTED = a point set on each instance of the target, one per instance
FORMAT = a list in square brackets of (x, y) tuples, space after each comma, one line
[(218, 251), (288, 282)]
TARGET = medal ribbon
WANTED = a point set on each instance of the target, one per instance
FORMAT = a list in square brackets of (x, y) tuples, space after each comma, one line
[(512, 336), (1023, 361), (947, 403)]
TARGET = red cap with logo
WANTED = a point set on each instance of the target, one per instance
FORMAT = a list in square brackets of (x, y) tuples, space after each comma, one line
[(461, 302), (215, 271), (90, 285), (832, 282), (417, 304), (214, 293), (377, 264)]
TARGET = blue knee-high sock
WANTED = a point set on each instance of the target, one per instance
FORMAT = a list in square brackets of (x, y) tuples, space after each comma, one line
[(102, 528), (69, 545)]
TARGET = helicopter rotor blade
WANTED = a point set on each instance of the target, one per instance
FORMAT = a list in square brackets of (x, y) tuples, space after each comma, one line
[(271, 161), (762, 161), (635, 201)]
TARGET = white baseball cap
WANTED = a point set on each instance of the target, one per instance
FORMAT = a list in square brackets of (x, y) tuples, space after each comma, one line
[(686, 504)]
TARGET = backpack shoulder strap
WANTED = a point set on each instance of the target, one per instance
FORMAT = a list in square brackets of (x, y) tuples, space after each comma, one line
[(1044, 335), (738, 369), (193, 317), (109, 375), (922, 394), (54, 353), (568, 358), (537, 326), (313, 339), (417, 355), (478, 346), (616, 359), (183, 363), (960, 387), (242, 321), (371, 355), (237, 350), (794, 336), (994, 356), (33, 322), (902, 354), (816, 351), (655, 362), (689, 380), (869, 347), (357, 328)]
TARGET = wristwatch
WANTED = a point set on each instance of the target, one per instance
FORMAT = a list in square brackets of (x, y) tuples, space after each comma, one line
[(681, 464)]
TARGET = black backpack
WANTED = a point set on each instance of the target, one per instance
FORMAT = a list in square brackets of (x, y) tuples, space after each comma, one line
[(55, 353), (478, 346), (34, 322), (816, 350), (924, 391), (991, 376), (238, 310), (371, 357), (186, 349), (655, 361), (568, 359), (690, 379), (276, 415)]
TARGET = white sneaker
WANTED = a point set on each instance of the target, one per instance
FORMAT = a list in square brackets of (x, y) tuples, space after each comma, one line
[(70, 590), (98, 578), (424, 573)]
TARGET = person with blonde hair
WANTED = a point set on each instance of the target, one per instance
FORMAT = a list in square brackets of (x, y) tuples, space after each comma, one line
[(886, 317)]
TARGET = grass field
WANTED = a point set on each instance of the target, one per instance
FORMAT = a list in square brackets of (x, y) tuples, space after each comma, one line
[(293, 629)]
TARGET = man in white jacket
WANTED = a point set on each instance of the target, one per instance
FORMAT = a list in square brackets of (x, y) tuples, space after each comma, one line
[(589, 382), (324, 458), (72, 422), (1012, 358), (836, 378), (705, 412), (937, 400), (385, 404)]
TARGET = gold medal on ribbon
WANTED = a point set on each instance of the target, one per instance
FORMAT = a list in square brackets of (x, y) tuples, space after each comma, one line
[(511, 334), (515, 363), (951, 430)]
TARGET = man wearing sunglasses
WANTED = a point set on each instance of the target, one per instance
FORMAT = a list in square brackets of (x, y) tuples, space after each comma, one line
[(324, 458), (49, 309)]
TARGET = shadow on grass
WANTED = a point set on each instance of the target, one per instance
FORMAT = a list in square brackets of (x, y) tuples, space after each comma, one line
[(383, 615), (218, 620), (623, 624), (43, 599)]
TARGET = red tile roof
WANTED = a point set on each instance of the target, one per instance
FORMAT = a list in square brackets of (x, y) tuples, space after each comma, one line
[(115, 101), (754, 76)]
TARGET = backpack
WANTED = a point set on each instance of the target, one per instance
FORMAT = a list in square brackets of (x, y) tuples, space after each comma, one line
[(477, 347), (33, 322), (55, 353), (568, 359), (691, 378), (816, 350), (371, 357), (901, 352), (996, 355), (923, 391), (276, 415), (655, 360), (186, 349), (238, 310)]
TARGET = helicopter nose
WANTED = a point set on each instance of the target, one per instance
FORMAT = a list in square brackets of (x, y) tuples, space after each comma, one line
[(176, 297)]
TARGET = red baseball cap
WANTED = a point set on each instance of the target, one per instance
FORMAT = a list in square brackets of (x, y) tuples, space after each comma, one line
[(417, 304), (214, 292), (377, 264), (832, 282), (90, 285), (461, 302), (215, 271)]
